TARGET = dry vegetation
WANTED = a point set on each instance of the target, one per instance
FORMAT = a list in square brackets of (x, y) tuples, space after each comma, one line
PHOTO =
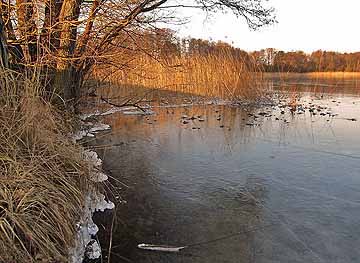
[(70, 37), (43, 177), (222, 76)]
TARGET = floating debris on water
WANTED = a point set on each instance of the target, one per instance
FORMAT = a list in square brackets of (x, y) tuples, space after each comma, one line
[(160, 248)]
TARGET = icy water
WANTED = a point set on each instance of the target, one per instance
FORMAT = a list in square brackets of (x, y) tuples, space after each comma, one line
[(282, 186)]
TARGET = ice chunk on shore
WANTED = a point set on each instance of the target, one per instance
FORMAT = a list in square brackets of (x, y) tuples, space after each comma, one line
[(93, 250), (92, 157), (85, 245), (81, 134), (102, 204), (100, 127), (98, 177), (87, 228), (88, 115)]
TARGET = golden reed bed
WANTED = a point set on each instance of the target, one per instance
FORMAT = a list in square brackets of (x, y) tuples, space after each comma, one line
[(223, 75)]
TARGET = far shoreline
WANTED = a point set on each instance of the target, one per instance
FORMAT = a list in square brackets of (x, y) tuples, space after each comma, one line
[(330, 74)]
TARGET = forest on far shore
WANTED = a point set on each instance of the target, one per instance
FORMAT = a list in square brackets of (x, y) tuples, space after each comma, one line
[(273, 60), (269, 59)]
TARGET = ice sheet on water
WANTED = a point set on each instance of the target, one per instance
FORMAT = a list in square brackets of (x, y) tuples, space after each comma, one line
[(138, 112), (117, 109), (111, 110)]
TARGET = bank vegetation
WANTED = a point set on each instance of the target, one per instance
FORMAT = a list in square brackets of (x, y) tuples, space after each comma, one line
[(47, 50), (43, 177)]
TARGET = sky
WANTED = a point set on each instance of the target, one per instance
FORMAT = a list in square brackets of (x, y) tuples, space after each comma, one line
[(306, 25)]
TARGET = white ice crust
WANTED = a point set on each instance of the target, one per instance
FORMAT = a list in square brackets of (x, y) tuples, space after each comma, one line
[(85, 244)]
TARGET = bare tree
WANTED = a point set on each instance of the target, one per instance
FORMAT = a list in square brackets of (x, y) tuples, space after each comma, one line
[(68, 37), (4, 61)]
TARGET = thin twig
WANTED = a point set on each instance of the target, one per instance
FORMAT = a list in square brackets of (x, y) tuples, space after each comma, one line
[(111, 235)]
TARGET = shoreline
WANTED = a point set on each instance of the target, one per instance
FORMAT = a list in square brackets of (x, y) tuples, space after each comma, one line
[(86, 245), (335, 74), (49, 185)]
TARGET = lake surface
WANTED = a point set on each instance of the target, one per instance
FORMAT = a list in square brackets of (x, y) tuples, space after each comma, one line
[(281, 186)]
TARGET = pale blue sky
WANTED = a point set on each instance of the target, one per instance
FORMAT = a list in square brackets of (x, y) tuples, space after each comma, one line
[(303, 25)]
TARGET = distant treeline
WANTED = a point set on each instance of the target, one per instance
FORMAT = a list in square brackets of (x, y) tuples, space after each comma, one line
[(273, 60), (269, 60)]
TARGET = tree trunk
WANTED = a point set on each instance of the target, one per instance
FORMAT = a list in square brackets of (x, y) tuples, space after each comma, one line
[(27, 28), (67, 82), (4, 56), (50, 31)]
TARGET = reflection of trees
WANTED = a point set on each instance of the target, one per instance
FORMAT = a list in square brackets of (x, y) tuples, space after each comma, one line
[(231, 130), (317, 84)]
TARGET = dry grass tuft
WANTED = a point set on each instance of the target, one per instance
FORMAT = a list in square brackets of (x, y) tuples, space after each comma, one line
[(42, 176)]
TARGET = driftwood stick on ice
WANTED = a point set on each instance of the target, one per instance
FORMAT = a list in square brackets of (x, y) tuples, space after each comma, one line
[(129, 101), (166, 248), (125, 104)]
